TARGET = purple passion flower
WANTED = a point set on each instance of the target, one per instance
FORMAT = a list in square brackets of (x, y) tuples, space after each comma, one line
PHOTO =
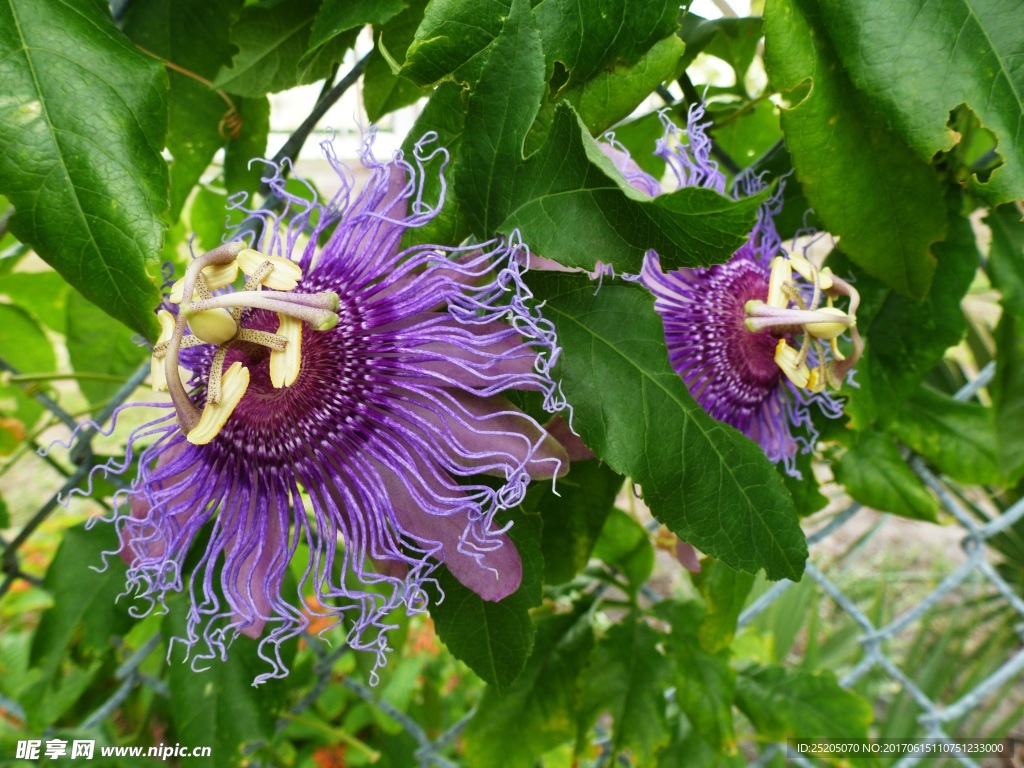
[(755, 338), (339, 404)]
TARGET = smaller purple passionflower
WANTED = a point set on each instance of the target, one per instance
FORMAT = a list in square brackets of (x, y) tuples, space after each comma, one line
[(340, 406), (732, 329)]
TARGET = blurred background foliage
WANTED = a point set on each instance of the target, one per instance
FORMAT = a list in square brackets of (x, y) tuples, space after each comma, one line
[(125, 129)]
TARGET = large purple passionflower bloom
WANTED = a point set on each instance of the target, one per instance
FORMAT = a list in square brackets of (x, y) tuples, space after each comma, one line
[(339, 406), (732, 329)]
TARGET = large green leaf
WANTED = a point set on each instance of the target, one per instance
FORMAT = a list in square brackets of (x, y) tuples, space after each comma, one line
[(271, 40), (958, 438), (539, 711), (875, 474), (41, 294), (586, 42), (383, 90), (706, 482), (571, 205), (500, 112), (98, 345), (905, 339), (612, 95), (81, 163), (870, 189), (1006, 268), (456, 36), (337, 16), (212, 700), (919, 60), (793, 704), (626, 677), (493, 638), (192, 34), (573, 518)]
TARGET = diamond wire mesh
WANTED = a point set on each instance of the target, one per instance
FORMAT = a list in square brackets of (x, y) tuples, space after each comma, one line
[(935, 715)]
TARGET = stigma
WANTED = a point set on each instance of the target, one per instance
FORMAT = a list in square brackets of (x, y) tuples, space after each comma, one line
[(207, 318), (800, 303)]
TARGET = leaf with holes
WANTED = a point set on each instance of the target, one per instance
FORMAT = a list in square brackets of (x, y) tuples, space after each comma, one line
[(868, 187), (920, 60)]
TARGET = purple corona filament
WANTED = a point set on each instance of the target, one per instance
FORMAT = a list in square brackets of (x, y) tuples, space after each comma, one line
[(362, 460), (729, 327)]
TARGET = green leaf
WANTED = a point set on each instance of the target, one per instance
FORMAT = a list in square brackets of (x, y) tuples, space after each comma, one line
[(906, 339), (98, 345), (586, 42), (192, 34), (82, 164), (319, 63), (337, 16), (875, 474), (626, 677), (958, 438), (493, 639), (792, 704), (710, 485), (240, 173), (574, 518), (1006, 268), (271, 39), (5, 512), (41, 294), (625, 546), (867, 186), (725, 593), (613, 94), (456, 36), (212, 700), (539, 711), (921, 60), (705, 683), (453, 40), (383, 91), (1008, 395), (500, 113), (77, 631), (1006, 256), (571, 205), (25, 347)]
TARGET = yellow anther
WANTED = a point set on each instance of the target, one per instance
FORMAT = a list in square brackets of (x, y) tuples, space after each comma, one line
[(219, 275), (283, 277), (781, 275), (156, 365), (825, 279), (285, 363), (827, 330), (233, 384), (215, 326), (216, 276), (815, 381), (788, 360)]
